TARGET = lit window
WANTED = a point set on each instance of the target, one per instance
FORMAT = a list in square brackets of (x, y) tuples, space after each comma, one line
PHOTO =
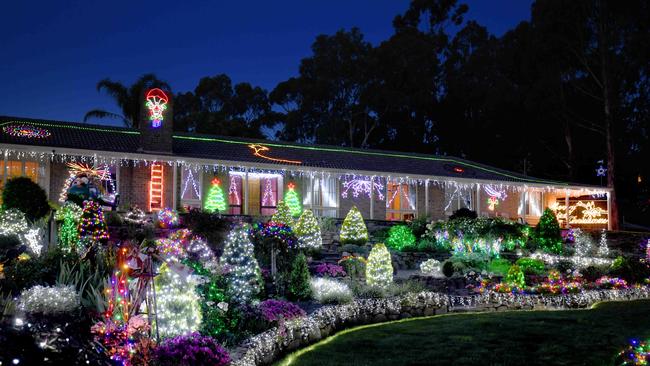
[(235, 197), (457, 198), (400, 201), (533, 204), (268, 195), (15, 168), (322, 197), (191, 188)]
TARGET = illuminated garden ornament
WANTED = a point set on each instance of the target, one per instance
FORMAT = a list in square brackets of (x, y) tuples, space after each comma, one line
[(379, 270), (243, 271), (157, 104), (26, 130), (353, 229), (260, 151), (308, 231), (292, 200), (215, 200), (283, 214)]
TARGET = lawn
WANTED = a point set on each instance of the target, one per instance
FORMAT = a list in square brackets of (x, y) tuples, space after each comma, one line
[(572, 337)]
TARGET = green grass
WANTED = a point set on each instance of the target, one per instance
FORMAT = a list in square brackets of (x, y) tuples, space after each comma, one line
[(572, 337)]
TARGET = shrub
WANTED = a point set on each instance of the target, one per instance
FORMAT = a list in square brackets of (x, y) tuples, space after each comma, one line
[(299, 279), (531, 265), (27, 196), (308, 231), (283, 214), (515, 277), (274, 311), (53, 300), (405, 287), (354, 249), (592, 273), (355, 266), (328, 291), (379, 269), (463, 213), (191, 350), (9, 247), (564, 266), (330, 270), (431, 267), (353, 229), (419, 226), (400, 237), (244, 272), (499, 266), (630, 269), (211, 226), (448, 268), (547, 233)]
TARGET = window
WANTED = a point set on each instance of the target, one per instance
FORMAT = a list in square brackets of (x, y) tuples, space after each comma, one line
[(533, 204), (235, 196), (191, 188), (268, 195), (457, 198), (321, 196), (31, 169), (400, 201)]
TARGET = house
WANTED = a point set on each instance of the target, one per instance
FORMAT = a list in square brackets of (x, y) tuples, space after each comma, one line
[(154, 167)]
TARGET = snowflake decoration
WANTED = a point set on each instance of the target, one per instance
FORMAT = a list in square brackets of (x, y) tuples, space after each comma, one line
[(359, 186)]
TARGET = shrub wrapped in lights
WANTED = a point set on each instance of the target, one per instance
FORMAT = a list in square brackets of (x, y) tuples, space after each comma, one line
[(556, 284), (606, 282), (283, 214), (135, 216), (191, 350), (69, 216), (308, 231), (243, 271), (353, 229), (431, 267), (636, 353), (379, 270), (55, 300), (178, 309), (13, 222), (278, 231), (548, 234), (400, 237), (92, 224), (168, 218), (329, 291), (515, 277)]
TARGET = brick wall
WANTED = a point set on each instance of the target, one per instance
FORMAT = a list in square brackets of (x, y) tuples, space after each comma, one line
[(134, 186), (58, 176)]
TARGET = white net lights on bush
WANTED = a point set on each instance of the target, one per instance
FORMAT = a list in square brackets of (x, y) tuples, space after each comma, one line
[(53, 300), (239, 261), (431, 267), (178, 309), (379, 270), (308, 231), (328, 291), (353, 229)]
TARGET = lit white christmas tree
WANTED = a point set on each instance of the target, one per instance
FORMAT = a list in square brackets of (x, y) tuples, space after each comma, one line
[(379, 269), (283, 214), (353, 229), (603, 249), (243, 271), (308, 231)]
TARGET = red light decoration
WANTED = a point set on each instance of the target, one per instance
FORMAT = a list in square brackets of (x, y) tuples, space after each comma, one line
[(27, 131), (459, 170), (157, 104), (258, 150), (156, 187)]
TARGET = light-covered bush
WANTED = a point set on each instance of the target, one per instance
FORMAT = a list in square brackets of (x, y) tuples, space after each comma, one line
[(53, 300), (328, 291), (379, 270), (431, 267)]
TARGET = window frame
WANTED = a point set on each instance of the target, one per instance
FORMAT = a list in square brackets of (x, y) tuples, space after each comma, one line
[(404, 214), (319, 209)]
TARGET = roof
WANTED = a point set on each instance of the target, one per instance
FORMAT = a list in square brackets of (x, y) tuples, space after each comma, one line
[(285, 155)]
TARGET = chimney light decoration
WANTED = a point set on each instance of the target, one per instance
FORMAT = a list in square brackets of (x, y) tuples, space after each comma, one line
[(157, 104)]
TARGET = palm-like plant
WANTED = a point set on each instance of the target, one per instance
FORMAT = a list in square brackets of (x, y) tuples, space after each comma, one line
[(127, 98)]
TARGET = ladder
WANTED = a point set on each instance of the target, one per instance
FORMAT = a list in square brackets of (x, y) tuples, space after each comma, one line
[(156, 187)]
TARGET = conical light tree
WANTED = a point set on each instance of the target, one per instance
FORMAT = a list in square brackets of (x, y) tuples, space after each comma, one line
[(69, 215), (353, 229), (243, 271), (178, 304), (292, 200), (308, 231), (283, 214), (379, 269), (215, 200), (92, 225)]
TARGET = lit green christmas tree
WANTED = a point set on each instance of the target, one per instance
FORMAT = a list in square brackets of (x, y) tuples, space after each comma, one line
[(215, 200), (379, 269), (308, 231), (353, 229), (243, 271), (515, 277), (283, 214), (292, 200)]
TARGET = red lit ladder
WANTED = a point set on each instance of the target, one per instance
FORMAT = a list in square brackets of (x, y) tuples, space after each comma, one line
[(156, 187)]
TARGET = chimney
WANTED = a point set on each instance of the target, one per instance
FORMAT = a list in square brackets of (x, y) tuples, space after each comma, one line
[(156, 121)]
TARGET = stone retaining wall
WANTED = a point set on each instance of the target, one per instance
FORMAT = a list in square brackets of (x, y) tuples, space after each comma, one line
[(269, 346)]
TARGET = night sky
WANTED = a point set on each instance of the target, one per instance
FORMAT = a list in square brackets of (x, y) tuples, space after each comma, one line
[(53, 54)]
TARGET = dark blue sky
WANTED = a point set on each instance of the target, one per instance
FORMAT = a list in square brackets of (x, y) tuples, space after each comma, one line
[(53, 54)]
